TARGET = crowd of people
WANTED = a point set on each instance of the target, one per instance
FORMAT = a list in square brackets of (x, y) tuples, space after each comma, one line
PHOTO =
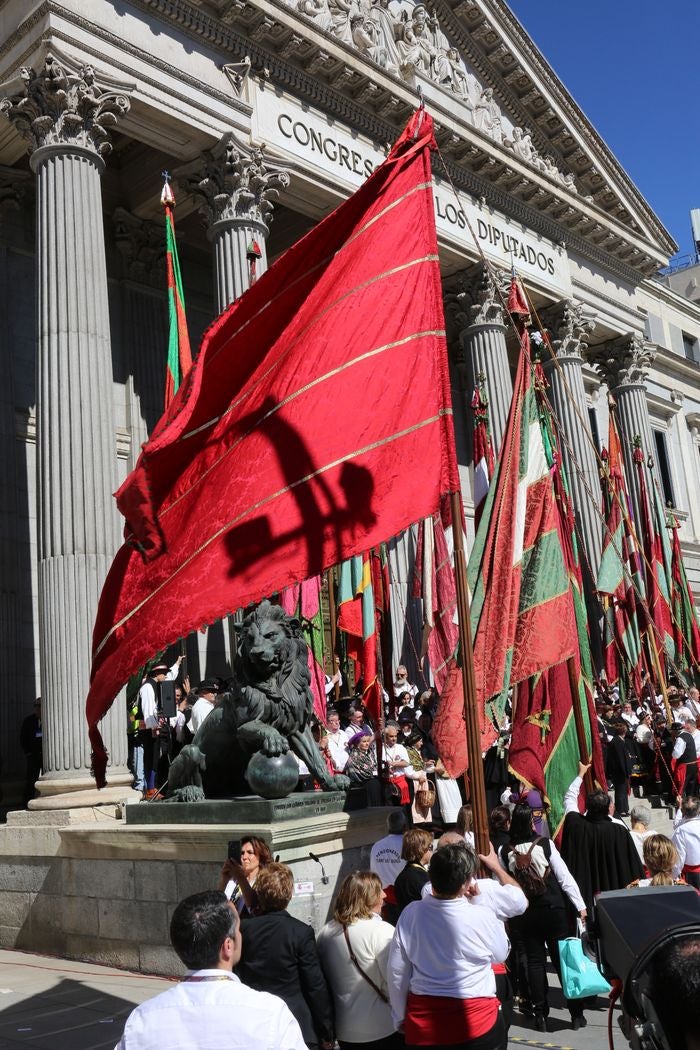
[(419, 950)]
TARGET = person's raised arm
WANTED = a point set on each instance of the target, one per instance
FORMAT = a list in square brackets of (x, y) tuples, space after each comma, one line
[(571, 796)]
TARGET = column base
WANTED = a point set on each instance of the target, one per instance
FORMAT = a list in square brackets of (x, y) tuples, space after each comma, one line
[(78, 790), (109, 796)]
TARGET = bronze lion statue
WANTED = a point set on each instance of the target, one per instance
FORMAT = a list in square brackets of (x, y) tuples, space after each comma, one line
[(267, 708)]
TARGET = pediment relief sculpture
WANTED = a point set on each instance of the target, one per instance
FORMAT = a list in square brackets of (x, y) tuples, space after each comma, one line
[(406, 39)]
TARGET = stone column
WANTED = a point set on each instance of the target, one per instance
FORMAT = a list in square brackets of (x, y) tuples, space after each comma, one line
[(235, 186), (63, 114), (624, 365), (568, 323), (483, 341)]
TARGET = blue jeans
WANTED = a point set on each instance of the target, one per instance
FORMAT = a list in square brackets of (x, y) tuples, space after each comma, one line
[(135, 762)]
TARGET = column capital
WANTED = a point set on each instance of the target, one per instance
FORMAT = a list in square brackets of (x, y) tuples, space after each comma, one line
[(61, 105), (234, 183), (624, 361), (568, 322), (475, 298)]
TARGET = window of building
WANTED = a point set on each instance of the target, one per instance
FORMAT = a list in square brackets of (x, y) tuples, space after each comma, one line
[(593, 423), (691, 347), (664, 468)]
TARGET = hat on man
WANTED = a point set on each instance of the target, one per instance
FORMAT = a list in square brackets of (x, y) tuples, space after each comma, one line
[(676, 727), (209, 685), (160, 669)]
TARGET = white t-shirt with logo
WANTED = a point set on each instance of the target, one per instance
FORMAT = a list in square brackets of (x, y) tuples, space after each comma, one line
[(385, 859)]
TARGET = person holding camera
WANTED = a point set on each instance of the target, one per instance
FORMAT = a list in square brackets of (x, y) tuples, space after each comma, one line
[(240, 870), (149, 718)]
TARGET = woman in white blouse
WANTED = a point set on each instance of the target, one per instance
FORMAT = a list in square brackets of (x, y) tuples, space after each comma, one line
[(354, 950)]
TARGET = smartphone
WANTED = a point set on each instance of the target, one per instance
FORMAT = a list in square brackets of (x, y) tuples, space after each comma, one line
[(234, 850)]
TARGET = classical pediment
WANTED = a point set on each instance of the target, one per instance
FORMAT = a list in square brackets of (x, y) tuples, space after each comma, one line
[(505, 123)]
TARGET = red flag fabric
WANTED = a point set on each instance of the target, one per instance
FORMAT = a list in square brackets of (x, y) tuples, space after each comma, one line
[(272, 462)]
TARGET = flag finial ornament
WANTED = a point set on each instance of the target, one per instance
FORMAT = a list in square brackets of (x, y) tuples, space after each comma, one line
[(167, 197), (517, 302)]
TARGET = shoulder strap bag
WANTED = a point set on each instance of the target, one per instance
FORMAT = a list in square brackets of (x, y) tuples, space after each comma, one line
[(353, 959)]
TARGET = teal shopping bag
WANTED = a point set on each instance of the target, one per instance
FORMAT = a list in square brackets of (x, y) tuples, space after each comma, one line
[(580, 977)]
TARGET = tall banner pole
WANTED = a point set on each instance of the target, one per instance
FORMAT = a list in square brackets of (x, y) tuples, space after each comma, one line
[(471, 710), (583, 752)]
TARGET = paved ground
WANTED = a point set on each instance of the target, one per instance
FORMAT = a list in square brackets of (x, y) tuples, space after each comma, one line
[(52, 1004)]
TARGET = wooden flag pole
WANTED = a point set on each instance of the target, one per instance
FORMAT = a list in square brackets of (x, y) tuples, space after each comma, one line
[(583, 752), (471, 711), (657, 667)]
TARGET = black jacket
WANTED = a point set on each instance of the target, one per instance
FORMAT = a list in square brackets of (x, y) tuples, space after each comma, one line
[(618, 760), (279, 956)]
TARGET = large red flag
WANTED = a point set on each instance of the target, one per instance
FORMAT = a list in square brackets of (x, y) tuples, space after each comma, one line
[(273, 461)]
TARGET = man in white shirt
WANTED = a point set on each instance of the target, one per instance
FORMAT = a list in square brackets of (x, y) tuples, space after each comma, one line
[(691, 726), (148, 718), (337, 740), (385, 855), (207, 693), (210, 1007), (686, 839), (444, 949)]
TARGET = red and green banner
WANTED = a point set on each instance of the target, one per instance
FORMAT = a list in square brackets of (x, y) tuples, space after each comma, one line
[(657, 569), (620, 582), (544, 751), (522, 614), (179, 353), (685, 621)]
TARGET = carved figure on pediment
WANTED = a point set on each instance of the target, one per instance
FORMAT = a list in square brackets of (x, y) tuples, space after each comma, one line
[(521, 144), (459, 77), (365, 39), (318, 11), (385, 16), (487, 115), (418, 50), (341, 12)]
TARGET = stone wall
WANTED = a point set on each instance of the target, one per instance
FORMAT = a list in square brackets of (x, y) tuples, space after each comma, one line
[(83, 885)]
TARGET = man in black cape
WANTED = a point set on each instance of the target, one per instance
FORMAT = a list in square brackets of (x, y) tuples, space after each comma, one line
[(599, 852)]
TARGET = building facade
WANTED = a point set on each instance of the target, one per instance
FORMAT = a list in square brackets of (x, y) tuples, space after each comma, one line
[(267, 114)]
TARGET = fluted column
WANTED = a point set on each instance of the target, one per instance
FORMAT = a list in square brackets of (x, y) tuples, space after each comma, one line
[(235, 186), (568, 323), (483, 340), (624, 365), (63, 114)]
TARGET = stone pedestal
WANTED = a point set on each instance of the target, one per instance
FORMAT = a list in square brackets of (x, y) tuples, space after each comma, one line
[(86, 887), (62, 113)]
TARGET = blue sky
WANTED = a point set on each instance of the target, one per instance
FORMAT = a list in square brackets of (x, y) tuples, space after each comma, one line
[(633, 68)]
